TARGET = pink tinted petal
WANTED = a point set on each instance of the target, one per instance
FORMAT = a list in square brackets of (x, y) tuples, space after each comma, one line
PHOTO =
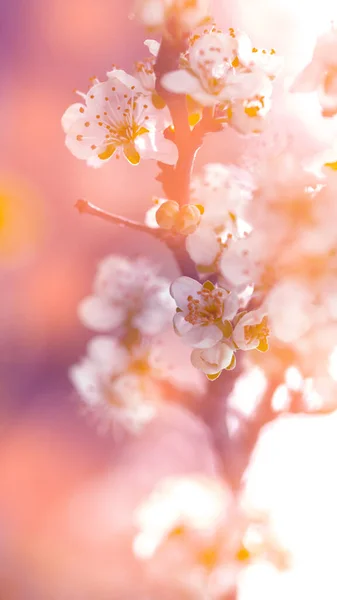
[(212, 360), (126, 79), (203, 246), (71, 115), (180, 82), (99, 315), (153, 46), (204, 98), (153, 145), (202, 336), (108, 354), (85, 138), (236, 268), (183, 287), (309, 79), (247, 85), (231, 307), (180, 325), (84, 378)]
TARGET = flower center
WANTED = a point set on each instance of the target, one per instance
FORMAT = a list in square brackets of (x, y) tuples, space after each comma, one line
[(209, 558), (206, 309), (330, 81), (257, 332)]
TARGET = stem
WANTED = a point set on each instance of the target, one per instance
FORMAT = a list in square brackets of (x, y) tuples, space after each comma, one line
[(85, 207), (176, 182)]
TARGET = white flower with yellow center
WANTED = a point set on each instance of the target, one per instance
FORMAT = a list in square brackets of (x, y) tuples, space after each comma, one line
[(129, 294), (117, 384), (204, 312), (251, 331), (117, 118), (159, 14), (213, 73), (321, 73), (250, 116), (180, 504), (250, 56)]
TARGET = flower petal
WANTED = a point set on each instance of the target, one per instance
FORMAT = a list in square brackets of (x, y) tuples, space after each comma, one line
[(71, 115), (203, 246), (309, 79), (126, 79), (231, 306), (99, 315), (154, 145), (202, 336), (153, 46), (212, 360), (109, 356), (84, 378), (183, 287), (180, 82)]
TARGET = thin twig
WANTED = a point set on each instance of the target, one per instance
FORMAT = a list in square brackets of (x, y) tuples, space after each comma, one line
[(85, 207)]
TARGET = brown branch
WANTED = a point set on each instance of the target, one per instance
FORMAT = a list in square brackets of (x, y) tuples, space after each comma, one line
[(85, 207), (176, 180)]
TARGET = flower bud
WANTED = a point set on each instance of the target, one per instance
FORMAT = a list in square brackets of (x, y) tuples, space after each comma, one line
[(167, 213), (188, 219), (212, 360)]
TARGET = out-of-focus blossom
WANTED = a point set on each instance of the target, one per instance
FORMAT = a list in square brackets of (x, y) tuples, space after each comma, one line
[(203, 312), (193, 503), (240, 264), (172, 16), (223, 192), (117, 383), (214, 74), (117, 118), (204, 247), (321, 73), (251, 331), (187, 538), (129, 294), (291, 310), (212, 361), (266, 60)]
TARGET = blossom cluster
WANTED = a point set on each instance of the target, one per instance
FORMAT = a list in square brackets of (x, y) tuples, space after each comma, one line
[(258, 232), (122, 374), (193, 525)]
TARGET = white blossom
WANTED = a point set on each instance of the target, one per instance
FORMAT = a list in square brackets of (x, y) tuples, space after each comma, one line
[(157, 14), (321, 73), (240, 262), (116, 383), (117, 118), (204, 247), (127, 293), (214, 74), (194, 503), (203, 312), (251, 331), (250, 116), (291, 310)]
